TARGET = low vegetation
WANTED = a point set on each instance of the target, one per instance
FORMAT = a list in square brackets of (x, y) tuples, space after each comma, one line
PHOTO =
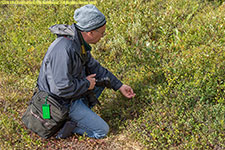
[(171, 52)]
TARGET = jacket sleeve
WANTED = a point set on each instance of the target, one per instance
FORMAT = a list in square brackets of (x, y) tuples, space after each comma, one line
[(95, 68), (62, 82)]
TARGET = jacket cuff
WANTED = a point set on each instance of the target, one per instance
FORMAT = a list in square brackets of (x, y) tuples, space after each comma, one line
[(117, 85), (88, 83)]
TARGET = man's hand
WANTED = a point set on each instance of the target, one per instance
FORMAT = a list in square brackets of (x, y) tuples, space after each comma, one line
[(92, 80), (127, 91)]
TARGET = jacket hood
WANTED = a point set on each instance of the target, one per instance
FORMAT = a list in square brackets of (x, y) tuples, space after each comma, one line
[(62, 29)]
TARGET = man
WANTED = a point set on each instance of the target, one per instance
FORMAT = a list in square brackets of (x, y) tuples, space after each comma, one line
[(69, 72)]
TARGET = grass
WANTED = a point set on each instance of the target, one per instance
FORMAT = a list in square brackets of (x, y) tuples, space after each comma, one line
[(171, 52)]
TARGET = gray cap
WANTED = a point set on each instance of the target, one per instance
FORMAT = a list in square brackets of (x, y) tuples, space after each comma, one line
[(88, 18)]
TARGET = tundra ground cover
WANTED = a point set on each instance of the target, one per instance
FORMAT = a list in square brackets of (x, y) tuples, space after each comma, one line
[(171, 52)]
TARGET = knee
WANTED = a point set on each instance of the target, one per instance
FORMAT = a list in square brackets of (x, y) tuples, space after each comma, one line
[(106, 129), (102, 132)]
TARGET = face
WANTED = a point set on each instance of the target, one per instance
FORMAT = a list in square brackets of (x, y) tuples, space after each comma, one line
[(94, 36)]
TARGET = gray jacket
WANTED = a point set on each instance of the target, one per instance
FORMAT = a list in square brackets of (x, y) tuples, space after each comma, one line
[(62, 73)]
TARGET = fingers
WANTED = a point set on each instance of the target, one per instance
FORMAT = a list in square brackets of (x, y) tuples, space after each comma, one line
[(127, 91), (92, 75), (130, 94), (130, 91), (92, 80)]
